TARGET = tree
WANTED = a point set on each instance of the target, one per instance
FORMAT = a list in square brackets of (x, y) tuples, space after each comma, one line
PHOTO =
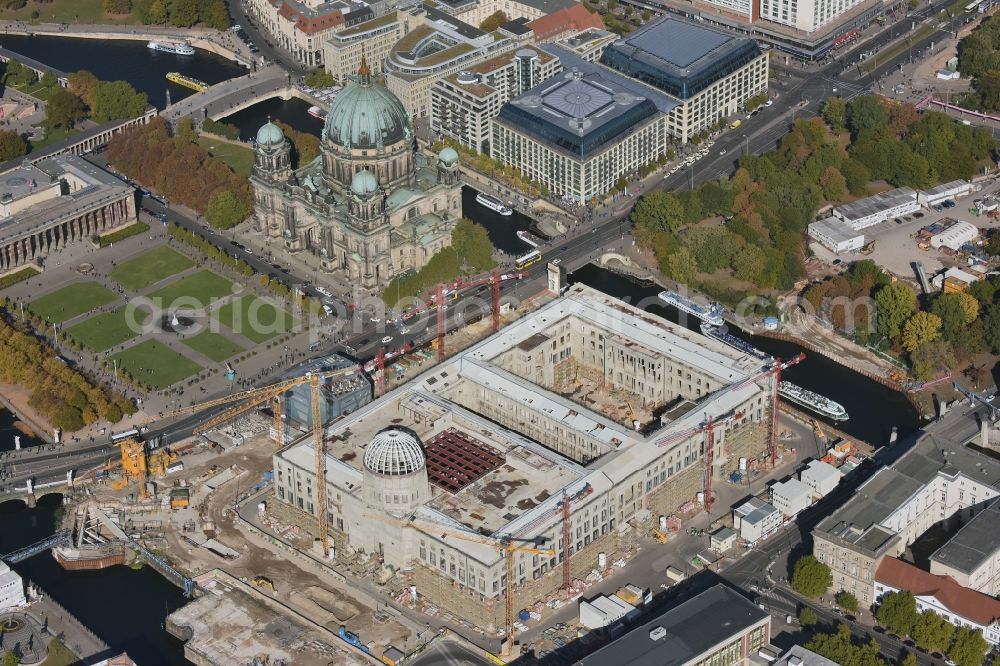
[(931, 357), (833, 183), (681, 266), (184, 13), (12, 145), (84, 84), (956, 312), (472, 243), (811, 578), (894, 304), (119, 7), (63, 109), (319, 78), (835, 113), (932, 632), (807, 617), (493, 21), (659, 211), (847, 601), (897, 612), (920, 328), (116, 100), (184, 132), (840, 648), (10, 658), (866, 113), (225, 210), (968, 647), (991, 322), (909, 660), (750, 264)]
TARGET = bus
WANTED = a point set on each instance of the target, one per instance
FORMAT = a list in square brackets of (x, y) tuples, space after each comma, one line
[(116, 438), (529, 259), (972, 5)]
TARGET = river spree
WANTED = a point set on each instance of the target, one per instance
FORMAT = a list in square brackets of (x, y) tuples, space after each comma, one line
[(128, 60), (124, 607), (873, 408)]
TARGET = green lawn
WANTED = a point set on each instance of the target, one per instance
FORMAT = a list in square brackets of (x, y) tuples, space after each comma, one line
[(51, 136), (255, 318), (239, 158), (59, 655), (149, 268), (65, 11), (196, 291), (36, 89), (214, 346), (72, 300), (154, 364), (104, 331)]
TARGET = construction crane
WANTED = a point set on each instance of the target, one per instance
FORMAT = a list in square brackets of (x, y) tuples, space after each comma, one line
[(564, 507), (983, 399), (506, 545), (249, 399), (711, 423)]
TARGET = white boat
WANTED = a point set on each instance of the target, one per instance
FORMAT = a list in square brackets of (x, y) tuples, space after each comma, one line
[(709, 315), (494, 204), (317, 112), (184, 48), (812, 401)]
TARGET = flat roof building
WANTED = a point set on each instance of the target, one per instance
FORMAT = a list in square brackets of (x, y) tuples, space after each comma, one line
[(755, 519), (485, 444), (791, 497), (944, 191), (955, 236), (718, 626), (605, 611), (820, 477), (878, 208), (836, 235), (972, 557)]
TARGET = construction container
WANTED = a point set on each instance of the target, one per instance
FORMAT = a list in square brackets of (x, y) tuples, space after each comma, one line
[(630, 594)]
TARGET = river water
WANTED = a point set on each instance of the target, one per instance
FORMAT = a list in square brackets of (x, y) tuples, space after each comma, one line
[(127, 60), (124, 607)]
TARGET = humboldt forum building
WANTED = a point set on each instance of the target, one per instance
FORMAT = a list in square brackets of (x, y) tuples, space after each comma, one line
[(587, 397)]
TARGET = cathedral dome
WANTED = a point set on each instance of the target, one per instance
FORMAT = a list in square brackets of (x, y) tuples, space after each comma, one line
[(448, 156), (394, 453), (270, 135), (364, 183), (365, 115)]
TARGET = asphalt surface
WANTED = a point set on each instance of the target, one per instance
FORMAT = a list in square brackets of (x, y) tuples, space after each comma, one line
[(448, 653)]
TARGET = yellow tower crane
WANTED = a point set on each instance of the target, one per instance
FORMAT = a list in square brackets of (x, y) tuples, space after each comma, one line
[(247, 400), (505, 545)]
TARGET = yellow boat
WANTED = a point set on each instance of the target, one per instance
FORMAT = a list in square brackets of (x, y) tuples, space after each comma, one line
[(187, 81)]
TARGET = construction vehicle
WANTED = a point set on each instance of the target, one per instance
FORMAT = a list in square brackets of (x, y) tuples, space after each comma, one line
[(247, 400), (264, 582), (659, 535)]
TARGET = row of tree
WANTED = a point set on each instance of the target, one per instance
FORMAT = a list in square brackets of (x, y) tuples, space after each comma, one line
[(182, 170), (897, 612), (470, 253), (180, 13), (979, 59), (62, 395)]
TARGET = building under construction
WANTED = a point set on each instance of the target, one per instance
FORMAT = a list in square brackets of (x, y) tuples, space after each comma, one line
[(338, 396), (550, 439)]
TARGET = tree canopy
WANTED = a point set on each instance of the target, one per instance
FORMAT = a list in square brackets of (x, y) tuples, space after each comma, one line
[(12, 145), (116, 100), (841, 648), (493, 21), (968, 647), (897, 612), (810, 577)]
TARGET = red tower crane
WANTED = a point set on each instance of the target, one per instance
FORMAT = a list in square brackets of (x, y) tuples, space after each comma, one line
[(564, 506), (440, 321), (380, 373)]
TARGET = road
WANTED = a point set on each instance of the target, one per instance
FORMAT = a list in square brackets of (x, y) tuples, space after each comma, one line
[(449, 653)]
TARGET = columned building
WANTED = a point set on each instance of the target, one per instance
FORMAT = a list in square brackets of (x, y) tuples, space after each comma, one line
[(55, 202), (369, 205)]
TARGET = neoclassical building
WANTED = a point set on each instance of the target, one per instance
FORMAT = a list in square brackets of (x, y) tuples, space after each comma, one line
[(369, 205)]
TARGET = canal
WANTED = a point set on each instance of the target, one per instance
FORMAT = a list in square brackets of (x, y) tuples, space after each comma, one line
[(128, 60), (124, 607), (873, 408), (9, 430)]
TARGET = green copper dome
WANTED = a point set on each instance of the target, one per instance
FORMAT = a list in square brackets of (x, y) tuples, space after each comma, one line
[(270, 135), (365, 115), (364, 183), (448, 155)]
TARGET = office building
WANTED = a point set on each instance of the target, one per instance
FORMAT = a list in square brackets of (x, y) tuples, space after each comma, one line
[(374, 39), (464, 104), (835, 235), (935, 482), (588, 45), (791, 497), (303, 26), (441, 45), (877, 208), (485, 444), (755, 519), (972, 557), (718, 627), (940, 594), (820, 477)]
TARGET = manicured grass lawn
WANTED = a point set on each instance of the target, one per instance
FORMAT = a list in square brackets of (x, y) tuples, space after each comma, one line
[(255, 318), (196, 290), (239, 158), (36, 89), (59, 655), (214, 346), (156, 365), (149, 268), (65, 11), (51, 136), (72, 300), (21, 275), (104, 331)]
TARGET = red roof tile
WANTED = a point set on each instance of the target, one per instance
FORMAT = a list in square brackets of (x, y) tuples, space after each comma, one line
[(968, 603), (570, 19), (321, 22)]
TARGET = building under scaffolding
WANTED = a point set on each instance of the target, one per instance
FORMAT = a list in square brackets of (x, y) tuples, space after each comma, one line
[(340, 396)]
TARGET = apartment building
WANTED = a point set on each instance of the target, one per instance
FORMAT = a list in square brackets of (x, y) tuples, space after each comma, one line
[(464, 104), (374, 38), (303, 26)]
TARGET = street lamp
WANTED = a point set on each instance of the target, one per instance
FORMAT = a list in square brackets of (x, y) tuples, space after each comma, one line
[(746, 145)]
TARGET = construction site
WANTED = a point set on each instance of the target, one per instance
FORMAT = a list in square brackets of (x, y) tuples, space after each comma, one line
[(504, 477)]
